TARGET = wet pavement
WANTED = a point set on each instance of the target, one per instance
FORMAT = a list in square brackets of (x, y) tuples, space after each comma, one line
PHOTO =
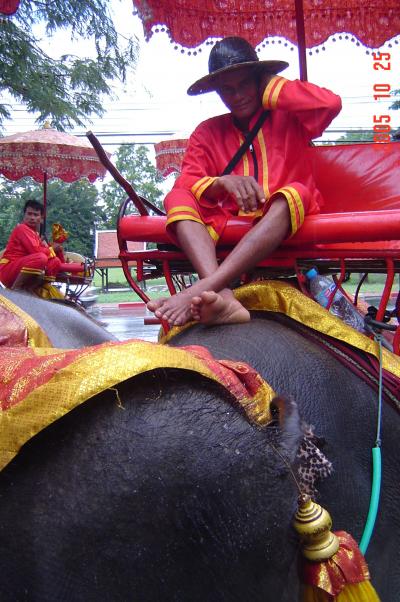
[(126, 321)]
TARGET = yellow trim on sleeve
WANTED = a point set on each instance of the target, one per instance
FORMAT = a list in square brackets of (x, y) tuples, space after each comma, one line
[(272, 91), (294, 201), (3, 260), (299, 202), (201, 185)]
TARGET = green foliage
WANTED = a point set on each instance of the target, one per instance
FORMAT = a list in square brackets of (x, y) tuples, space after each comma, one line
[(396, 104), (75, 206), (134, 164), (350, 137), (67, 90)]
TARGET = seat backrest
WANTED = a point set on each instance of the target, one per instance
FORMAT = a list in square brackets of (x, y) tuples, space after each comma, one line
[(351, 177), (357, 177)]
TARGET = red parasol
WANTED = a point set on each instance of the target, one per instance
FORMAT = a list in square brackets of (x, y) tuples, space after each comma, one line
[(169, 155), (307, 23), (47, 153), (9, 7)]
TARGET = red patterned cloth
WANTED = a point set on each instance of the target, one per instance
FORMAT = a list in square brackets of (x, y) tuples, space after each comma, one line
[(190, 22), (348, 565), (9, 7), (47, 151), (299, 112)]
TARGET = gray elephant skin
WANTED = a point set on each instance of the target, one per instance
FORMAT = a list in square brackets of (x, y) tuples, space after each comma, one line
[(177, 497)]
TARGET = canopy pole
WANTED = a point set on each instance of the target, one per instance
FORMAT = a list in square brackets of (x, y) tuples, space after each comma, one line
[(44, 203), (301, 39)]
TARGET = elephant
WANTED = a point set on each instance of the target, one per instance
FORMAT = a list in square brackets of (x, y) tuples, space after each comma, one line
[(66, 326), (177, 497)]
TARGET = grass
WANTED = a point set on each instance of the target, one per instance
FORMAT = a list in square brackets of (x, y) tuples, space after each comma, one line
[(116, 280), (157, 288)]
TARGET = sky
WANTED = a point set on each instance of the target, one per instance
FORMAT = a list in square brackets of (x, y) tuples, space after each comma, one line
[(153, 104)]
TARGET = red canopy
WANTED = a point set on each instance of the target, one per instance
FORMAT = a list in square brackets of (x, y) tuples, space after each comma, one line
[(190, 22), (9, 7)]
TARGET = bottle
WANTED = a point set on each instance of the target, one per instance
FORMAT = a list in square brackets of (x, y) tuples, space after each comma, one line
[(321, 289)]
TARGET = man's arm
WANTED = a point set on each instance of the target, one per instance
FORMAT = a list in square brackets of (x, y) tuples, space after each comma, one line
[(30, 241), (313, 106)]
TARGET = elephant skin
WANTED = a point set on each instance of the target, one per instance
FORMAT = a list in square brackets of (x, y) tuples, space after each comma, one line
[(176, 497), (66, 327)]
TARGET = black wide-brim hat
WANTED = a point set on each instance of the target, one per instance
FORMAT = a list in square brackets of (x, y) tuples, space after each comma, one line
[(231, 54)]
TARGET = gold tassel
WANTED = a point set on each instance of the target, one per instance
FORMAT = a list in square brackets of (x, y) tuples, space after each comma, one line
[(332, 568)]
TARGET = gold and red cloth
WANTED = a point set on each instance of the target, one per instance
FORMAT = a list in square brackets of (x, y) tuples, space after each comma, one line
[(298, 112), (32, 373), (39, 384)]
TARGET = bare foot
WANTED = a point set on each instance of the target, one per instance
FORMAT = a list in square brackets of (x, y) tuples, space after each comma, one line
[(218, 308), (175, 309), (155, 304)]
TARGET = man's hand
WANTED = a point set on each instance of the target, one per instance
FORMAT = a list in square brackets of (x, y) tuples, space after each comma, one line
[(244, 189)]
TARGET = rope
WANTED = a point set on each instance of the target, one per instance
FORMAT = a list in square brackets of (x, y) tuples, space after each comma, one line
[(376, 463)]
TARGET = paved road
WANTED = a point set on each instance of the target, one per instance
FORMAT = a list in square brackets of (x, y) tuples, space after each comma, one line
[(125, 321)]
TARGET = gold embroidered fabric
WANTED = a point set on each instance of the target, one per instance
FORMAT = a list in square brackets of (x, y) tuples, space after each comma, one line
[(39, 386), (35, 335)]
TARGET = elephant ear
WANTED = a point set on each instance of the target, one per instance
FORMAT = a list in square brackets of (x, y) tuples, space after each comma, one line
[(300, 447), (286, 413)]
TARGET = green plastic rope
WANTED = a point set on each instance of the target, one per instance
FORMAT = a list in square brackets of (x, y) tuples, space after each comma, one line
[(376, 466)]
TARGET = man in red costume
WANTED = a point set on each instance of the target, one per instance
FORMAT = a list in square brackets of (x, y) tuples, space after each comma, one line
[(272, 180), (27, 259)]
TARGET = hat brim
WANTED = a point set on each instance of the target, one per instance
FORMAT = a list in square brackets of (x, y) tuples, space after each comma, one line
[(208, 83)]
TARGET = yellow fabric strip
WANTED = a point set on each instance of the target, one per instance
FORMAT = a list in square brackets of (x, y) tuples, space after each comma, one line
[(281, 297), (90, 374), (4, 260), (185, 208), (296, 218), (271, 92), (32, 271), (213, 233), (181, 217), (206, 182), (299, 203), (264, 163), (276, 92), (36, 335)]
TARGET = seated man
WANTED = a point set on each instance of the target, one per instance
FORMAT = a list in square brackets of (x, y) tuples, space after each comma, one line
[(272, 180), (27, 258)]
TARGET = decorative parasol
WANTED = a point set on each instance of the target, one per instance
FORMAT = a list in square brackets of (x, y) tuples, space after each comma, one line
[(9, 7), (169, 155), (46, 153), (307, 23)]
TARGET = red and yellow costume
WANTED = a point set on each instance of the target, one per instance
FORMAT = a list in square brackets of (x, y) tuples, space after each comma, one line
[(298, 112), (25, 250)]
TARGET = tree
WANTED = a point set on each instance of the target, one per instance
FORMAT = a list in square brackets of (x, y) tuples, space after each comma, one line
[(75, 206), (71, 88), (134, 164), (351, 137)]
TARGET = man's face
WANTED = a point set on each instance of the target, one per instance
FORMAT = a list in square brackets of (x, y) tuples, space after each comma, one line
[(239, 91), (32, 218)]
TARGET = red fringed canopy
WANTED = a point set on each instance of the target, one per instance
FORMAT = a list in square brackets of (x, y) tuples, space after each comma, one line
[(190, 22), (9, 7)]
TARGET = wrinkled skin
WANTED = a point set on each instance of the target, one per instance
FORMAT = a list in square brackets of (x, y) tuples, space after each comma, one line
[(178, 498)]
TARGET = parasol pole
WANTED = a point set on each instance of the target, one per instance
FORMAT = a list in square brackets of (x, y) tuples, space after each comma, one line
[(44, 202), (301, 39)]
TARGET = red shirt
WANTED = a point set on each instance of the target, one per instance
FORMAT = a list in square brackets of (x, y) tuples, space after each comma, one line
[(24, 241), (278, 158)]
